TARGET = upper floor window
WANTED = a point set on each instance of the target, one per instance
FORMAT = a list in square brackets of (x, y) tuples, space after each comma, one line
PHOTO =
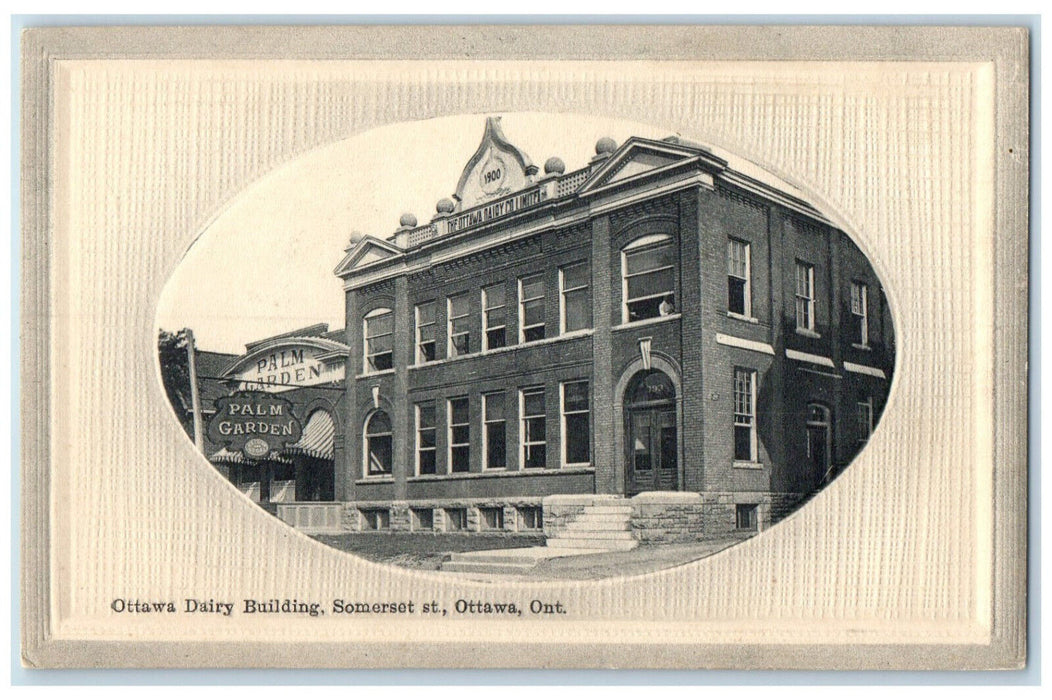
[(378, 444), (459, 326), (425, 332), (379, 340), (739, 282), (575, 304), (531, 308), (805, 296), (494, 317), (649, 278), (859, 314)]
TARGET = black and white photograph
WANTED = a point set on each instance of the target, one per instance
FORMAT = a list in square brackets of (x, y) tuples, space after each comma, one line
[(565, 346), (628, 363)]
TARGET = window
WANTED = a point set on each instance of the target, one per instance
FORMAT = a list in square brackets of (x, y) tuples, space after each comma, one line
[(491, 518), (576, 437), (459, 435), (531, 308), (493, 317), (493, 436), (745, 516), (531, 518), (459, 328), (575, 312), (379, 340), (425, 439), (649, 287), (864, 417), (859, 314), (456, 519), (805, 296), (739, 288), (425, 332), (376, 519), (378, 444), (422, 519), (744, 415), (532, 430)]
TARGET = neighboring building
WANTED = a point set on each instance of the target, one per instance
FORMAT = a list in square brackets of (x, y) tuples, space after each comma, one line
[(305, 366), (658, 320)]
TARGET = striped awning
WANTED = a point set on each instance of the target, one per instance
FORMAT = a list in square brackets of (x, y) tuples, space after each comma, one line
[(225, 455), (317, 438)]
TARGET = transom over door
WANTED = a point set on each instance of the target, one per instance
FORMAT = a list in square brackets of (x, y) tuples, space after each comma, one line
[(652, 447)]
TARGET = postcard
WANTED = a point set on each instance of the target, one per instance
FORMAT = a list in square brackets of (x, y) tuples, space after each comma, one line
[(525, 347)]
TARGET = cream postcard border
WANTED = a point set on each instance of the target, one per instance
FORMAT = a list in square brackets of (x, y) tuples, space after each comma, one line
[(639, 634)]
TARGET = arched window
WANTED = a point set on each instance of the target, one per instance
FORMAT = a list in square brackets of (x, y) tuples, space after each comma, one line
[(648, 268), (379, 340), (378, 448)]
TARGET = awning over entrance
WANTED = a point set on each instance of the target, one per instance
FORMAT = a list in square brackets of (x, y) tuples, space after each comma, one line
[(225, 455), (317, 438)]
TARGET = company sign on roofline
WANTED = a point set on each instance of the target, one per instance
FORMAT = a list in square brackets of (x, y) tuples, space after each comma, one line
[(497, 209)]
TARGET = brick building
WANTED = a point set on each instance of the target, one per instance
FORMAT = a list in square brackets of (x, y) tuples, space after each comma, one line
[(659, 320)]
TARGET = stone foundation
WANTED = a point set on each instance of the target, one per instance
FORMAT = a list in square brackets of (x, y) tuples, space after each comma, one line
[(466, 515)]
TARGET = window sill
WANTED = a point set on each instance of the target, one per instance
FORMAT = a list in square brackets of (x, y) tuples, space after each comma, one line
[(507, 348), (739, 464), (500, 473), (808, 333), (375, 480), (646, 322), (861, 346), (740, 317), (381, 373)]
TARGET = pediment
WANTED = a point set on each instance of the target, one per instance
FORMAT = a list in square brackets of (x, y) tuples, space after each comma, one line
[(366, 251), (496, 169), (635, 158)]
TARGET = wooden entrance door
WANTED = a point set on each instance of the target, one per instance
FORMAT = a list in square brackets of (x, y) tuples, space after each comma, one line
[(652, 441)]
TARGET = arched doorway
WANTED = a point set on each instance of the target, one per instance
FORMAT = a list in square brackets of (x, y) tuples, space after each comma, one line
[(651, 435)]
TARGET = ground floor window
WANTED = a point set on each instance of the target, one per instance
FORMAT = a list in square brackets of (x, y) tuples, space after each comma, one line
[(493, 434), (378, 444), (532, 430), (459, 435), (425, 439), (864, 418), (576, 434), (744, 415)]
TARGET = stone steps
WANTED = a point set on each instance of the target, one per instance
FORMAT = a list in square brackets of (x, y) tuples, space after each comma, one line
[(601, 526), (593, 544)]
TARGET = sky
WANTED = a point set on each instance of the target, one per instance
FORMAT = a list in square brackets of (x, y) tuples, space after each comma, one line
[(270, 255)]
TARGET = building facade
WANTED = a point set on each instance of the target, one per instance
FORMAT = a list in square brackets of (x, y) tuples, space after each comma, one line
[(655, 321)]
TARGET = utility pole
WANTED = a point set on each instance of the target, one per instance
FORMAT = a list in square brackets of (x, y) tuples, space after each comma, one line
[(195, 398)]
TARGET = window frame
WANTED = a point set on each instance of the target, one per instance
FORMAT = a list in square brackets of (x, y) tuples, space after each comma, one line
[(750, 415), (523, 328), (746, 311), (420, 358), (565, 291), (367, 363), (450, 444), (525, 444), (805, 301), (860, 317), (419, 430), (863, 439), (486, 423), (563, 413), (366, 440), (486, 328), (451, 346), (641, 244)]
